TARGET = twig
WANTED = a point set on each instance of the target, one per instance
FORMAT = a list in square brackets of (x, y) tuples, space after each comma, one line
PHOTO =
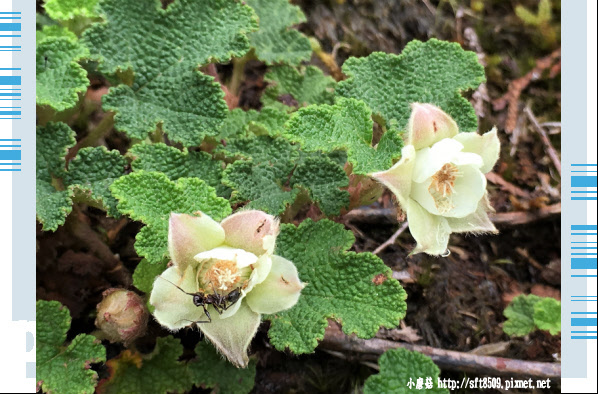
[(388, 216), (371, 349), (516, 218), (392, 239), (518, 85), (552, 153), (509, 187)]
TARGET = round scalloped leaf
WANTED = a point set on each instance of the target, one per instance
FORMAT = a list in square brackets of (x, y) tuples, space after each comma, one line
[(189, 106), (64, 368), (276, 41), (399, 371), (163, 48), (92, 172), (308, 86), (61, 10), (356, 289), (59, 78), (547, 315), (433, 72), (52, 144), (520, 315), (176, 164), (150, 197), (347, 125)]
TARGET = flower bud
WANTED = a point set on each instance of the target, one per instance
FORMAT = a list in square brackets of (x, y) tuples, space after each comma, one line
[(122, 316), (429, 124)]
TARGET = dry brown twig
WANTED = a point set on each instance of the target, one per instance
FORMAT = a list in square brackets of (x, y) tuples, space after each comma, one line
[(518, 85), (550, 151), (367, 350), (392, 239)]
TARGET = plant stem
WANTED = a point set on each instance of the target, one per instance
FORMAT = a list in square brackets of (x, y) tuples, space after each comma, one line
[(238, 74)]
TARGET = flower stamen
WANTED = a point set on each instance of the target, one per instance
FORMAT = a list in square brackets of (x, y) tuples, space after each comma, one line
[(222, 275)]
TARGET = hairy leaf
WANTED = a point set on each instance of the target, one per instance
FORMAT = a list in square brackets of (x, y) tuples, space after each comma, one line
[(92, 172), (547, 315), (161, 372), (277, 172), (239, 123), (399, 371), (150, 197), (68, 9), (276, 41), (308, 86), (52, 143), (163, 49), (59, 78), (520, 315), (433, 72), (347, 125), (356, 289), (60, 367), (176, 164)]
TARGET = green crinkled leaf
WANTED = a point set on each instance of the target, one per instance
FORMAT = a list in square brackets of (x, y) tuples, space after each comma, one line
[(276, 41), (399, 371), (209, 369), (161, 372), (67, 9), (54, 31), (520, 315), (432, 72), (92, 172), (150, 197), (145, 274), (341, 285), (239, 123), (188, 103), (64, 368), (52, 144), (547, 315), (276, 173), (59, 78), (263, 184), (323, 178), (176, 164), (89, 177), (347, 125), (308, 86), (260, 149), (163, 48)]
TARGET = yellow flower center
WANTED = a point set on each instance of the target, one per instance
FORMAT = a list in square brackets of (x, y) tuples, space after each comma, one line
[(223, 275), (442, 186)]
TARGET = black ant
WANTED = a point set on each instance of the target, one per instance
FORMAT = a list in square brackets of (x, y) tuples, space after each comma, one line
[(218, 301)]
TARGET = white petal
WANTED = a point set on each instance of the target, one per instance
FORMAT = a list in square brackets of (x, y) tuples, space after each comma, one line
[(429, 124), (469, 189), (279, 291), (467, 158), (240, 256), (478, 222), (398, 177), (487, 146), (189, 235), (429, 160), (430, 231), (232, 336), (251, 230), (174, 308)]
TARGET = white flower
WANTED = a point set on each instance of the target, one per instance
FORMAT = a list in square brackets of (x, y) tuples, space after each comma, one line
[(229, 259), (440, 180)]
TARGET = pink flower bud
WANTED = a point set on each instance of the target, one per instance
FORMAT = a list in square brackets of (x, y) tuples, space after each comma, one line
[(122, 316)]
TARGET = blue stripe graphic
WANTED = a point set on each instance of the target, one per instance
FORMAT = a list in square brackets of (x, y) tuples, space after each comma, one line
[(10, 154)]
